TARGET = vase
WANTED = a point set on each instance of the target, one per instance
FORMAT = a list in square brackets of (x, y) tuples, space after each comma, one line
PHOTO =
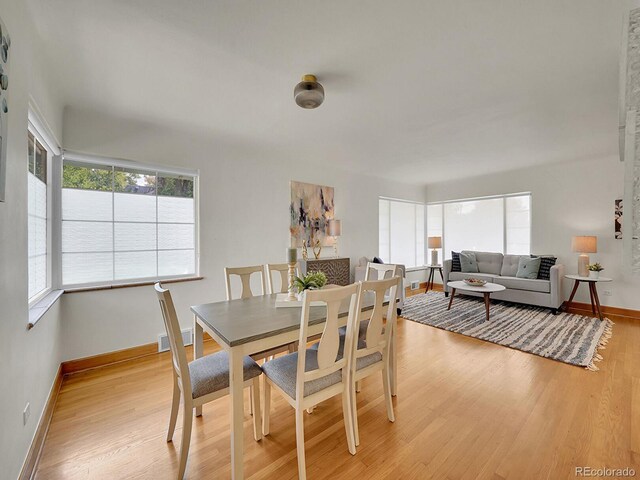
[(593, 274)]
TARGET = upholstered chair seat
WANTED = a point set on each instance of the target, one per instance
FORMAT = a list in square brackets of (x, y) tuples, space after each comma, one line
[(211, 373)]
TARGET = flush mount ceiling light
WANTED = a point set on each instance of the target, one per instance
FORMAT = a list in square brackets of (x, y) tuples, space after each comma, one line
[(309, 93)]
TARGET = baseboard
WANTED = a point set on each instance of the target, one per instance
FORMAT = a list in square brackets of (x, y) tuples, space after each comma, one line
[(35, 449), (104, 359), (437, 287), (585, 309)]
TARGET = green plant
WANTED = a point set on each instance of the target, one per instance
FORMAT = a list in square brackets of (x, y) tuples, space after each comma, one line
[(595, 267), (311, 281)]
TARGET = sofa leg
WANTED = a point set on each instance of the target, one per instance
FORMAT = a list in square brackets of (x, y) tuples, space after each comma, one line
[(554, 311), (446, 294)]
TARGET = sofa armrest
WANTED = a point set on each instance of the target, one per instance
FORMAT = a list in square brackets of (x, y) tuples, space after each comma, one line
[(556, 275), (360, 273)]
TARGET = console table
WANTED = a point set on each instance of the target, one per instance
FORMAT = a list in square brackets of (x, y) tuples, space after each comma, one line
[(337, 270)]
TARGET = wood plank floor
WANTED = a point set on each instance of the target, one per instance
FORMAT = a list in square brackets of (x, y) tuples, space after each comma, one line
[(465, 409)]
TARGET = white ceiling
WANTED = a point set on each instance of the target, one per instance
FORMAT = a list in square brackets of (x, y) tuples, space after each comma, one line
[(423, 91)]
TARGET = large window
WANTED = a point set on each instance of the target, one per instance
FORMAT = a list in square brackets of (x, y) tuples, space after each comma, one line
[(38, 231), (123, 222), (401, 232), (496, 224)]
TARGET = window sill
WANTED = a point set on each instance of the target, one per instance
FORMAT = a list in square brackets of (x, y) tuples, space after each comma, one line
[(37, 311), (417, 269), (130, 285)]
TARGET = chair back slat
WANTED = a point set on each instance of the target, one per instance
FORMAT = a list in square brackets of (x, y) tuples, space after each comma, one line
[(377, 336), (283, 269), (245, 277), (172, 326), (378, 271), (328, 361)]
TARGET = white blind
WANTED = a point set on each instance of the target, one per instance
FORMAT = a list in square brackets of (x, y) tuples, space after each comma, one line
[(518, 224), (401, 232), (37, 217), (126, 224)]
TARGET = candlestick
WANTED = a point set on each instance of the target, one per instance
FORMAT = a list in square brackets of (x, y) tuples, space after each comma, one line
[(292, 275), (292, 255)]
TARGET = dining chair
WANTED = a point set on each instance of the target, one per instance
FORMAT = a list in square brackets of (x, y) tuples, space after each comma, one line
[(310, 376), (245, 277), (200, 381), (283, 269), (380, 270), (373, 353)]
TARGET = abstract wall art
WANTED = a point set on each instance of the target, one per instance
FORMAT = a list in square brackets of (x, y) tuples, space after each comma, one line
[(617, 222), (311, 208), (5, 44)]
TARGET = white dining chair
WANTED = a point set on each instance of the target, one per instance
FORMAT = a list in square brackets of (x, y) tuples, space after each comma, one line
[(372, 354), (245, 277), (283, 270), (310, 376), (200, 381)]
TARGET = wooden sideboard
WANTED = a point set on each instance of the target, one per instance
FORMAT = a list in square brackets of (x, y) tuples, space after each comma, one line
[(337, 270)]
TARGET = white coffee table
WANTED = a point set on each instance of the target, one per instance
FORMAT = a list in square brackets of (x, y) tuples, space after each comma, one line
[(487, 289), (593, 292)]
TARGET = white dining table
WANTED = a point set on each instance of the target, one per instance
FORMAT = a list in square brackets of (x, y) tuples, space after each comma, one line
[(251, 325)]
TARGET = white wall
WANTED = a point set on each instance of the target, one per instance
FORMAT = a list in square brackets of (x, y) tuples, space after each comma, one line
[(575, 198), (28, 359), (244, 219)]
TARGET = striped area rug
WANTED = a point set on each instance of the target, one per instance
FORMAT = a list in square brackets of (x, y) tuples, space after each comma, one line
[(568, 338)]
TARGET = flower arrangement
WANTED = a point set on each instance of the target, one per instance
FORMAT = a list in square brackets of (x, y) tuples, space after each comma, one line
[(595, 267), (311, 281)]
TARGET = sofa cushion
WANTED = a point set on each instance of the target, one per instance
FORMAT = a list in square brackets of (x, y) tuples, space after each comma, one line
[(455, 276), (546, 262), (532, 285), (528, 267), (455, 262), (489, 262), (468, 262), (510, 265)]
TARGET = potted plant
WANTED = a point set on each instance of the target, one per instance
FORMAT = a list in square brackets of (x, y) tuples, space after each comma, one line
[(311, 281), (594, 270)]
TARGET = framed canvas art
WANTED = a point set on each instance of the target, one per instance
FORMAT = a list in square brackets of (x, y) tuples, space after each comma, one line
[(617, 220), (5, 44), (311, 208)]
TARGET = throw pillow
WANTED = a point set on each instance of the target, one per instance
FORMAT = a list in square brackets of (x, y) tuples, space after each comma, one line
[(377, 260), (546, 262), (455, 262), (469, 263), (528, 267)]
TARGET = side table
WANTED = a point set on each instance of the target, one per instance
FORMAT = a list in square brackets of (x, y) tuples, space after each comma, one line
[(432, 274), (593, 292)]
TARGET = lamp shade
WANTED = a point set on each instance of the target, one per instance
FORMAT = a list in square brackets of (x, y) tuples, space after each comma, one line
[(334, 228), (584, 244), (434, 242)]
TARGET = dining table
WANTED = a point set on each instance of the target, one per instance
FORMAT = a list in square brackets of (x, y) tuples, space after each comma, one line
[(252, 325)]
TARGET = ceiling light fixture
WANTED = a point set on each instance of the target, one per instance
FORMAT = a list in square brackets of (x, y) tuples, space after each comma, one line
[(309, 93)]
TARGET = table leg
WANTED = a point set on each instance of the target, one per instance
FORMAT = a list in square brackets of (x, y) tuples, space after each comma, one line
[(487, 303), (429, 279), (236, 388), (593, 303), (453, 292), (595, 296), (573, 292), (198, 347)]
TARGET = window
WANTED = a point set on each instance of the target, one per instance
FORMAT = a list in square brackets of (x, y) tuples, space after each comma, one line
[(401, 232), (38, 231), (122, 222), (495, 224)]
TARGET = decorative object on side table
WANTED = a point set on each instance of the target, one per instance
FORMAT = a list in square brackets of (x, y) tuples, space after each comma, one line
[(434, 243), (584, 245), (335, 230), (594, 270), (317, 249)]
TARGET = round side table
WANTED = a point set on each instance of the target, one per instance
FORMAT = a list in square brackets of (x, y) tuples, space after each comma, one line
[(593, 292), (432, 274)]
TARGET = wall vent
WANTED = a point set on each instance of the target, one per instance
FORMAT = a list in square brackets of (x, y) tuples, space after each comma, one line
[(415, 285), (163, 340)]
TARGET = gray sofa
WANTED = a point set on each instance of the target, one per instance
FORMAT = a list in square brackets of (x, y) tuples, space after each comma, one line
[(501, 269)]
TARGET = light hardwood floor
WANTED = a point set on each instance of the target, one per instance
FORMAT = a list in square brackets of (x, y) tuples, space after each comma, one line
[(465, 409)]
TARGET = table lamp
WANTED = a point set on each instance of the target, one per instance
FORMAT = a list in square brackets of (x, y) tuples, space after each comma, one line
[(335, 230), (434, 243), (584, 245)]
